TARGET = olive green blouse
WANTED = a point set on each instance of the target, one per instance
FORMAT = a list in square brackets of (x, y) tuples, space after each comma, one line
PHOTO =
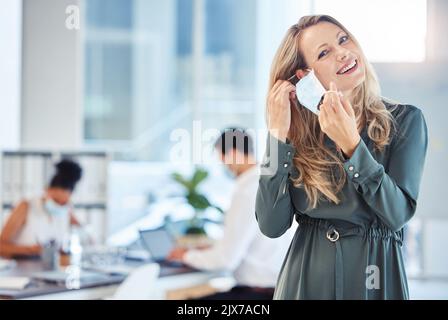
[(351, 250)]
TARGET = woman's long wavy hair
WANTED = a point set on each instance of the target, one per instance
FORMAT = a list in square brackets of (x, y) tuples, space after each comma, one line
[(320, 170)]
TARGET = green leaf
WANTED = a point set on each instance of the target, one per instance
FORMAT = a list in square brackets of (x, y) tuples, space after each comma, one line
[(218, 208), (198, 201), (198, 176), (179, 178)]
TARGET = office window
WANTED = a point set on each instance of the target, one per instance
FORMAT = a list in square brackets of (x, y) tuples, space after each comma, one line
[(155, 66), (388, 30)]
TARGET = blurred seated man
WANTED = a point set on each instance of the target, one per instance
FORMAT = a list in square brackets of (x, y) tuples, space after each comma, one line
[(254, 259), (36, 221)]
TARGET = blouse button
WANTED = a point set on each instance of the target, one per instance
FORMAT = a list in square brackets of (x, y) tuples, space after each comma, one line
[(356, 175), (285, 165), (351, 168)]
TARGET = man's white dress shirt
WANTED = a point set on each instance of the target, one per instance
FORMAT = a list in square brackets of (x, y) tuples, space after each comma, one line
[(254, 258)]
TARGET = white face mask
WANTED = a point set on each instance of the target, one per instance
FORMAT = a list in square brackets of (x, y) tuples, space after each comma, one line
[(310, 91), (56, 209)]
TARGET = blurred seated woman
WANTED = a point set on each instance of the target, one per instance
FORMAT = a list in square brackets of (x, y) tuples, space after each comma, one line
[(42, 219)]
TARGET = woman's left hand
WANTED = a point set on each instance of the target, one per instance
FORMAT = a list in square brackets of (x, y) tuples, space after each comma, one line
[(337, 120)]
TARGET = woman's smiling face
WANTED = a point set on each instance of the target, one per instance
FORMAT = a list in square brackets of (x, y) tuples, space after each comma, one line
[(333, 56)]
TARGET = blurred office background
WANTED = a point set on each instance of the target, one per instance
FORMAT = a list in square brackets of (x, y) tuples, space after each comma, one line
[(135, 72)]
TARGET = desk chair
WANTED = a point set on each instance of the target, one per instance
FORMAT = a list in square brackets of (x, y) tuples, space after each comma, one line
[(140, 284)]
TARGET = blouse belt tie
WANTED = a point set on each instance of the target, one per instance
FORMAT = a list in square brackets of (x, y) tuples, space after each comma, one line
[(333, 235)]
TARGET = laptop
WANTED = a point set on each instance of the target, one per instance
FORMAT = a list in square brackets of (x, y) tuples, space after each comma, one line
[(159, 243)]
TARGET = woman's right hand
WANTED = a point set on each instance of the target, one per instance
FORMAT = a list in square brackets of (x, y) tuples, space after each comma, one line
[(279, 108)]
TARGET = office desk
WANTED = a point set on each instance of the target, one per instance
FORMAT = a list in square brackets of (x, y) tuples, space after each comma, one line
[(169, 278)]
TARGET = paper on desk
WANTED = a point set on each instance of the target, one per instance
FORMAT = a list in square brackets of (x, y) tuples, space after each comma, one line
[(14, 283)]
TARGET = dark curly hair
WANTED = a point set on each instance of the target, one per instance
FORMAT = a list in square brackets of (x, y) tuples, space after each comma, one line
[(67, 175)]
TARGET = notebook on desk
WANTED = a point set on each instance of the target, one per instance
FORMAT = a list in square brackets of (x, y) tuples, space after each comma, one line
[(159, 243), (14, 283)]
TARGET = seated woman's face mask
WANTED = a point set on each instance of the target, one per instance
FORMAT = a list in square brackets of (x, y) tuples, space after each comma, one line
[(56, 209), (309, 91)]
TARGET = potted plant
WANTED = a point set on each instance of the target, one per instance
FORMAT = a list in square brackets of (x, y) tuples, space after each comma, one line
[(198, 201)]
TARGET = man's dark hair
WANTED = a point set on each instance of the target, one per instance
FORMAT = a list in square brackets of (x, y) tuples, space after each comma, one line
[(235, 138), (68, 173)]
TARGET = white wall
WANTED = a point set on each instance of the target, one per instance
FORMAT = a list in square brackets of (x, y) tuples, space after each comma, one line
[(437, 46), (10, 46), (52, 77)]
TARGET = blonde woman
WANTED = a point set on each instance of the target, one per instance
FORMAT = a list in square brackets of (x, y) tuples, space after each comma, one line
[(350, 175)]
